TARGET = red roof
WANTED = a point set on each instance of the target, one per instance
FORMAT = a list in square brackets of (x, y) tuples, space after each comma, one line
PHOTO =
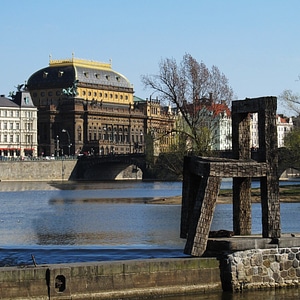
[(216, 108)]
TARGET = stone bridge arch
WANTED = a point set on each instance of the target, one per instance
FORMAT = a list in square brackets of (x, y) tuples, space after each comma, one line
[(110, 167), (286, 160)]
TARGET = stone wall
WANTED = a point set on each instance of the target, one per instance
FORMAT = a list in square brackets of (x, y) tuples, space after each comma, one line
[(111, 280), (65, 169), (266, 268), (243, 270), (44, 170)]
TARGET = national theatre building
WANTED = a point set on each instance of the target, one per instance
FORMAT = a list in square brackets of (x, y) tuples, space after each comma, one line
[(86, 107)]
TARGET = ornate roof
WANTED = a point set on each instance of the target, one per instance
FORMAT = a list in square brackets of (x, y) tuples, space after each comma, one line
[(63, 73)]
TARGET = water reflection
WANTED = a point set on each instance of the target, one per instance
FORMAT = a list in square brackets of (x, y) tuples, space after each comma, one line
[(94, 223), (93, 217)]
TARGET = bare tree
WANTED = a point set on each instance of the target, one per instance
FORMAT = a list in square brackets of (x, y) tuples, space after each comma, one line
[(188, 85), (290, 100)]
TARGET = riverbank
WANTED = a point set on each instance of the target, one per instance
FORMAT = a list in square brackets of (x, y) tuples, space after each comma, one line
[(287, 194)]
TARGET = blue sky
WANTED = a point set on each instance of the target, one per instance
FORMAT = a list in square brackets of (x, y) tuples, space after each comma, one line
[(255, 43)]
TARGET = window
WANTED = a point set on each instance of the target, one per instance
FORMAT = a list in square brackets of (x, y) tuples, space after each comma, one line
[(11, 138), (11, 125)]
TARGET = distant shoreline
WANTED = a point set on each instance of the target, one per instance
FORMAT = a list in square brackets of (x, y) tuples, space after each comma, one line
[(287, 194)]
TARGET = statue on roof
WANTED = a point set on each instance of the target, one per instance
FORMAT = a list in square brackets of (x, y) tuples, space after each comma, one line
[(72, 90)]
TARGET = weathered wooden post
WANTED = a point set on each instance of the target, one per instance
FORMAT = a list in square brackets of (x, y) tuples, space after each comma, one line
[(266, 108)]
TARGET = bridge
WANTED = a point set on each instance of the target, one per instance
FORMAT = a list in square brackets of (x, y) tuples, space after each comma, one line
[(110, 167)]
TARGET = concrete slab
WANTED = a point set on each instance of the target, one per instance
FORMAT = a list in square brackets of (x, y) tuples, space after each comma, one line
[(217, 246)]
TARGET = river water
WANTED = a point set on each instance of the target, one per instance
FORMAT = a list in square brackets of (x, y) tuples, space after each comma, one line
[(95, 221)]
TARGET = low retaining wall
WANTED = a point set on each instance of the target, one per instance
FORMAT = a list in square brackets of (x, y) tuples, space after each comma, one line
[(256, 269), (111, 280), (44, 170), (249, 269), (65, 169)]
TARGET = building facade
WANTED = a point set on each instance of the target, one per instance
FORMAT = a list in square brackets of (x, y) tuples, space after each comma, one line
[(85, 107), (214, 120), (284, 126), (159, 123), (18, 126), (221, 126)]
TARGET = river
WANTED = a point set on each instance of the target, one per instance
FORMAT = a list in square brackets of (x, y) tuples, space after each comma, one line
[(95, 221)]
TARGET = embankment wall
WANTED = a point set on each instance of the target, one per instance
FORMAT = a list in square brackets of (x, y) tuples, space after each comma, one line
[(111, 280), (242, 270), (64, 169), (261, 268), (44, 170), (250, 269)]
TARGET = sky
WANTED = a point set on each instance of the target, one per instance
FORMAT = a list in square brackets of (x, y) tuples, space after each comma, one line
[(255, 43)]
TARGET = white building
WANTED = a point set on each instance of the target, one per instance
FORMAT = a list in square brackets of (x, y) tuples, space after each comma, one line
[(221, 127), (216, 117), (284, 126), (18, 126)]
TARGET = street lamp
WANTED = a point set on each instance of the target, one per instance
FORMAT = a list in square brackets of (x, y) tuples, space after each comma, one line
[(57, 145), (69, 142)]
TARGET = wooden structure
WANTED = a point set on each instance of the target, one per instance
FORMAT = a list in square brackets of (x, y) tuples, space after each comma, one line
[(202, 178)]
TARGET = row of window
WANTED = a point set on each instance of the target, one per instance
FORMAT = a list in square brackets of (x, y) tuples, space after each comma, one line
[(86, 74), (15, 113), (9, 113), (83, 94), (114, 129), (115, 138), (15, 126), (15, 138)]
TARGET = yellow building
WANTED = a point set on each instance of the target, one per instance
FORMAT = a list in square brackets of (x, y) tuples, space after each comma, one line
[(85, 107), (159, 123)]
